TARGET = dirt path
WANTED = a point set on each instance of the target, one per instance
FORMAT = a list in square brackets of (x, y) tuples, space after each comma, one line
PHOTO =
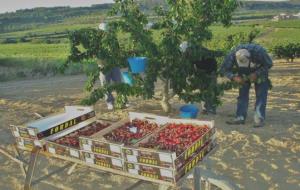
[(267, 158)]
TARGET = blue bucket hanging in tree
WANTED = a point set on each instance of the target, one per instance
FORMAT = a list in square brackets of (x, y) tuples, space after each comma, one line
[(137, 64)]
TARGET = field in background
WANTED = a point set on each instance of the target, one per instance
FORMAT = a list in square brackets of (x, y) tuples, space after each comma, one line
[(42, 49)]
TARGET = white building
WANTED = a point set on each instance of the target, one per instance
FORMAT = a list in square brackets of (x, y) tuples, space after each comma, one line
[(284, 16)]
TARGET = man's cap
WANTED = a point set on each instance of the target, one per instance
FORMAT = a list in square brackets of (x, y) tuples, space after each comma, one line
[(243, 57)]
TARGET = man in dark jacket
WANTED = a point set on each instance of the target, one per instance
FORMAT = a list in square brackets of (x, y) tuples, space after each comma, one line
[(205, 65), (113, 76), (249, 63), (208, 67)]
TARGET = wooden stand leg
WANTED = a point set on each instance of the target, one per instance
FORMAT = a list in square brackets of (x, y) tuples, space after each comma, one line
[(17, 160), (10, 156), (33, 157), (22, 167), (197, 178), (72, 168)]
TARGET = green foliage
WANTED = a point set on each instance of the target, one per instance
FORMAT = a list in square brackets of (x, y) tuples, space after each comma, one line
[(181, 21), (10, 41), (288, 51), (240, 38)]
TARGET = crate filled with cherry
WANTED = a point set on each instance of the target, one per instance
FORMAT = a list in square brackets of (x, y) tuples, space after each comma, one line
[(122, 133), (173, 146), (168, 174), (68, 145), (131, 132)]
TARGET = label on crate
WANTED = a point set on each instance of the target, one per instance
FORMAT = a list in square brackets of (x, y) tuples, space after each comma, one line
[(74, 153), (37, 143), (89, 160), (165, 158), (25, 143), (31, 132), (103, 163), (195, 160), (115, 148), (149, 175), (24, 132), (130, 166), (101, 148), (166, 173), (116, 162), (51, 150), (16, 133), (60, 150), (199, 143), (87, 147), (151, 161), (67, 124), (28, 144), (128, 151), (133, 171), (132, 158)]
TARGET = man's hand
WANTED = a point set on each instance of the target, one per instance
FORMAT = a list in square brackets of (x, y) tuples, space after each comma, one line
[(238, 80), (253, 77)]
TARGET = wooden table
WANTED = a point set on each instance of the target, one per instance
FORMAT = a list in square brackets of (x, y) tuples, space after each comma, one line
[(202, 179)]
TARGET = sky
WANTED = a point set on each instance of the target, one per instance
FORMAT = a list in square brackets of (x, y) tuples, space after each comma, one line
[(13, 5)]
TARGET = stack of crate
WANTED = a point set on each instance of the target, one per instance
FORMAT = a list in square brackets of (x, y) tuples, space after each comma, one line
[(99, 151), (149, 163), (95, 150), (48, 129), (166, 165)]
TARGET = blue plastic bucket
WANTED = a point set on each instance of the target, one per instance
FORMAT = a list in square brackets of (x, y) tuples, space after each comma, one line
[(189, 111), (137, 64), (127, 78)]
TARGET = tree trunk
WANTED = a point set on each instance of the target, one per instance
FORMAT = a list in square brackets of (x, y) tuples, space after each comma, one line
[(165, 97)]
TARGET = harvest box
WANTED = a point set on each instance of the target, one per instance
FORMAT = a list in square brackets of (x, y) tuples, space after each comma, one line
[(166, 174), (103, 161), (168, 159), (24, 143), (99, 145), (68, 145), (54, 124)]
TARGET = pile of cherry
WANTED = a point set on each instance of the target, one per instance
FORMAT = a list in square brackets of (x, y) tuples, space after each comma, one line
[(131, 132), (72, 139), (176, 137)]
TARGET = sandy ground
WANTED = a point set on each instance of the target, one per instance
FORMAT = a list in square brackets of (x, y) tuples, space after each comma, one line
[(263, 159)]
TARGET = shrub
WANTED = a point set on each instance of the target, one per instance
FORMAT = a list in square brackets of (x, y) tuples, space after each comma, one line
[(288, 51)]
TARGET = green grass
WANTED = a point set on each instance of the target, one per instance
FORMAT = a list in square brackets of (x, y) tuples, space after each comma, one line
[(28, 60), (294, 23), (46, 30), (220, 32), (280, 36), (28, 50)]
